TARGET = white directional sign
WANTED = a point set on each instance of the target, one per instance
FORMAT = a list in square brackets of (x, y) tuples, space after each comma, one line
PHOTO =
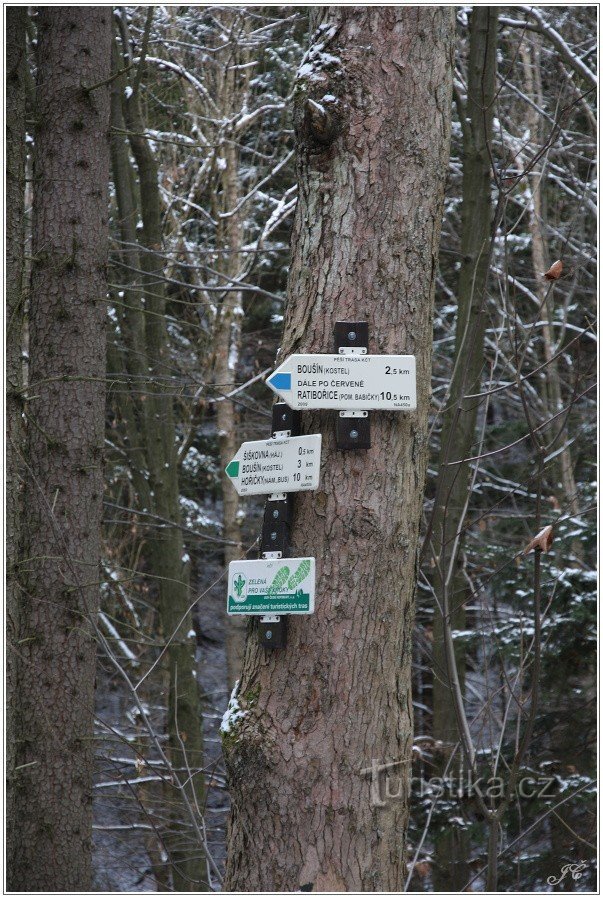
[(347, 382), (271, 586), (285, 465)]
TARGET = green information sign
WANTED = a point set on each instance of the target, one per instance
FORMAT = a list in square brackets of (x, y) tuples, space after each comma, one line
[(271, 586)]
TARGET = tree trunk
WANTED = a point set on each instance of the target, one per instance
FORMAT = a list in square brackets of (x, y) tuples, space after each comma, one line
[(165, 546), (561, 823), (64, 477), (228, 347), (371, 176), (459, 419), (544, 290), (460, 415), (16, 63)]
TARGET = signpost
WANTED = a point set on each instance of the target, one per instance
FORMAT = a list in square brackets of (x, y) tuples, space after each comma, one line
[(284, 465), (347, 381), (271, 586)]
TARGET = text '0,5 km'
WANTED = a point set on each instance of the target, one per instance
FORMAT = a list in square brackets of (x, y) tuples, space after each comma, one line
[(285, 465), (347, 382)]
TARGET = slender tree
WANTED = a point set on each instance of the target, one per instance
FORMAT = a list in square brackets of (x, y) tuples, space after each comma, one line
[(16, 64), (545, 290), (459, 416), (228, 330), (153, 448), (372, 157), (551, 387), (64, 453)]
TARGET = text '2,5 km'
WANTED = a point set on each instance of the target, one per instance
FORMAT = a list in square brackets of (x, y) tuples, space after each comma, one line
[(347, 382)]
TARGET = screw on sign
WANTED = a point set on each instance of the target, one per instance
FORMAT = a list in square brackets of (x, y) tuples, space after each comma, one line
[(272, 586), (347, 382), (283, 465)]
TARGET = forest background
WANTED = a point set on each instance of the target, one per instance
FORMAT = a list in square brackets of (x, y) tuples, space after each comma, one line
[(202, 193)]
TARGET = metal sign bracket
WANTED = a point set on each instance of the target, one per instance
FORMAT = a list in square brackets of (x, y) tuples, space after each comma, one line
[(353, 429), (272, 628)]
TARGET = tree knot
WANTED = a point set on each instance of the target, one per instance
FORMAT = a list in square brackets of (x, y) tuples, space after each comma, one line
[(323, 120)]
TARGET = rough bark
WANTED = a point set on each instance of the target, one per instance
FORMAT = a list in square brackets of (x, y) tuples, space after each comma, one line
[(366, 234), (16, 64), (65, 430)]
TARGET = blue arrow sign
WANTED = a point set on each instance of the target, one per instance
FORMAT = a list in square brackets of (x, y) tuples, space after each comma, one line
[(280, 381), (347, 382)]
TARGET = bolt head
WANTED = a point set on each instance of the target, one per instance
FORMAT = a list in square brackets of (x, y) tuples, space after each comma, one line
[(273, 535), (275, 513), (353, 434), (284, 416), (351, 335), (268, 634)]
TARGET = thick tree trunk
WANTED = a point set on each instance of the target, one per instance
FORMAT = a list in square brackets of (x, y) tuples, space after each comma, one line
[(16, 62), (371, 177), (64, 477)]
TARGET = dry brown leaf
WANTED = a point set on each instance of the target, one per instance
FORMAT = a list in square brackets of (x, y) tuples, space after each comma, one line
[(554, 272), (422, 868), (542, 541)]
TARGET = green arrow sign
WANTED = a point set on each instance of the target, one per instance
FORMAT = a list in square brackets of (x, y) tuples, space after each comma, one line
[(232, 469), (282, 465)]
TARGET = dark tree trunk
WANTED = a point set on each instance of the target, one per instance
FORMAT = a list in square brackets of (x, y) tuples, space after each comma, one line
[(65, 432), (460, 415), (153, 446), (445, 543), (16, 65), (371, 178)]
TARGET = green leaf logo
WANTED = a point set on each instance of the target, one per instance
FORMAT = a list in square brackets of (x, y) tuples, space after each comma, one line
[(300, 574), (279, 580), (239, 585)]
